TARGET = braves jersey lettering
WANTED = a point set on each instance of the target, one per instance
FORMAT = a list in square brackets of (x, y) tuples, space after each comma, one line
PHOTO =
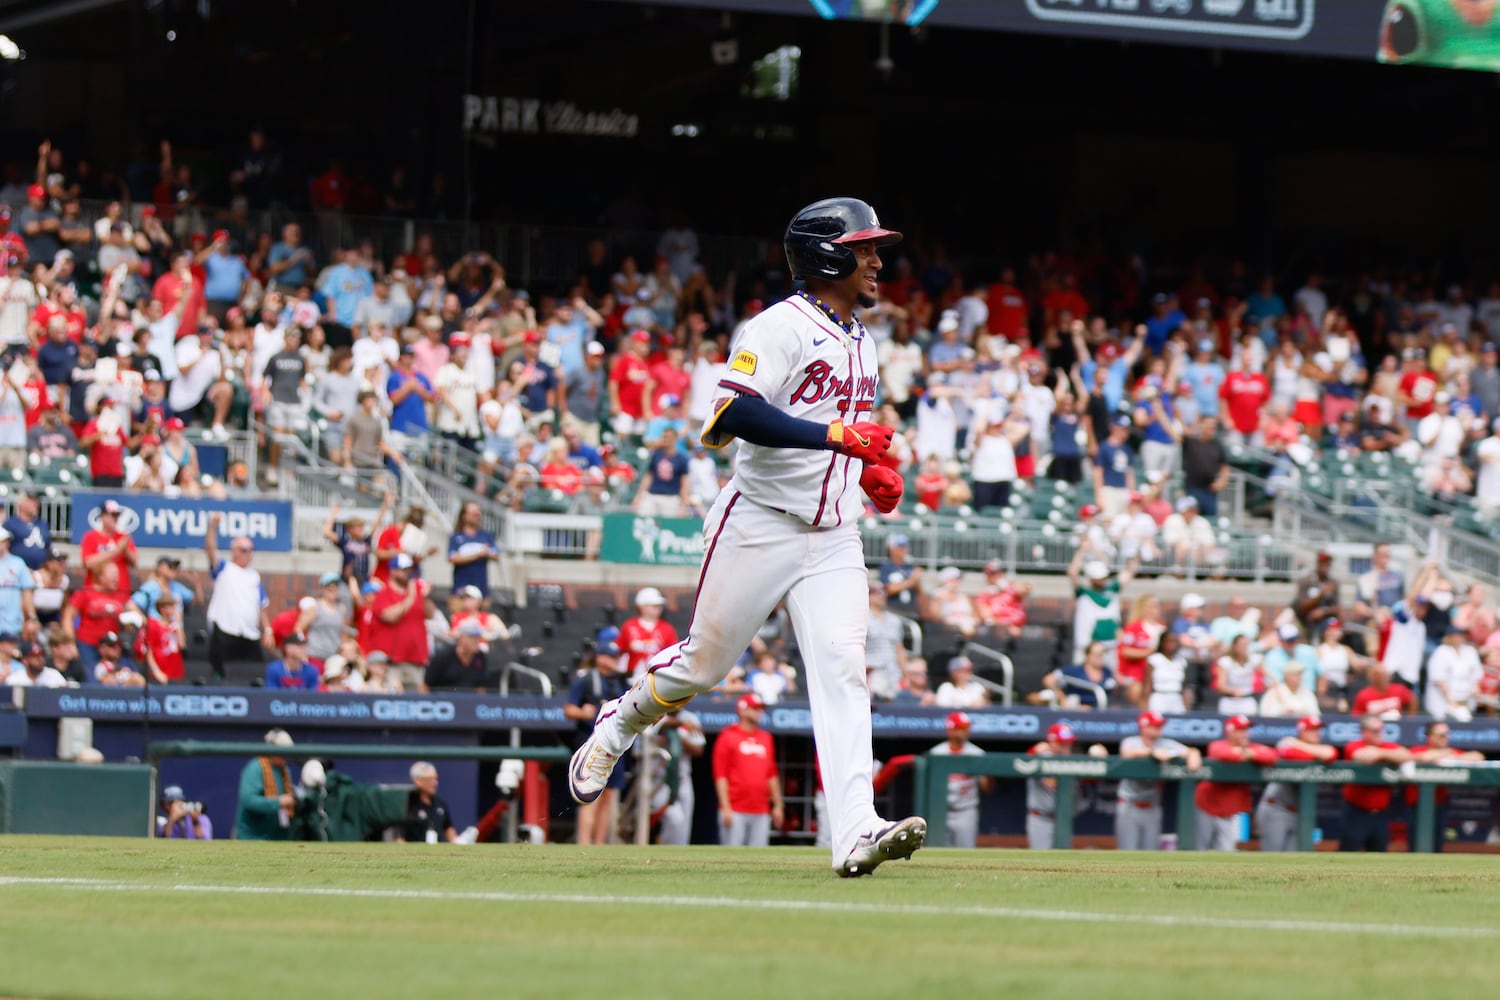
[(797, 359)]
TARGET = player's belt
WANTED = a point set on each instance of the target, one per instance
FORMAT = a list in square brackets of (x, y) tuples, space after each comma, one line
[(1043, 815), (1139, 803), (1283, 805)]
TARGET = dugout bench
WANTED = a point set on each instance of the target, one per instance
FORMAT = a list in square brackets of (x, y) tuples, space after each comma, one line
[(932, 774)]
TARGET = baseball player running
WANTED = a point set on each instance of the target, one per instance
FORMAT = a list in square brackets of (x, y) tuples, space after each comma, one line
[(963, 789), (1276, 816), (797, 393), (1138, 803)]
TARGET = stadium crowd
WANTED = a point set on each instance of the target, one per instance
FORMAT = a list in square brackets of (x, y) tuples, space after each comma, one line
[(139, 332)]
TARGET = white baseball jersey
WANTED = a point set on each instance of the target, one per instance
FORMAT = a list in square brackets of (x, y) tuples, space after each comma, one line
[(963, 789), (796, 358)]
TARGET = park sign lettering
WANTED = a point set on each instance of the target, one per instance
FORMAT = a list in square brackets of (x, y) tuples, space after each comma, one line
[(174, 523), (533, 116)]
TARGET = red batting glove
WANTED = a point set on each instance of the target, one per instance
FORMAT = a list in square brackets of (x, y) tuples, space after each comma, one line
[(883, 486), (867, 442)]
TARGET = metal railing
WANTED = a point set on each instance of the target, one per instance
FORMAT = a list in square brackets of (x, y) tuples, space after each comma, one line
[(982, 654)]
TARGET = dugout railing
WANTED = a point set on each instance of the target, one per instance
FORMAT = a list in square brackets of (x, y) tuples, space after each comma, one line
[(932, 773)]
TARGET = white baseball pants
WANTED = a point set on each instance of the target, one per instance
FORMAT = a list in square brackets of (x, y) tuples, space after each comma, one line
[(753, 558)]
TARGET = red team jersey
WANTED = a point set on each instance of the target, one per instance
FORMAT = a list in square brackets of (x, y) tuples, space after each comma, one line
[(1371, 798), (1244, 393), (1395, 698), (1421, 387), (1139, 635), (98, 613), (406, 640), (161, 639), (639, 642), (630, 373), (94, 540), (1222, 799), (748, 761)]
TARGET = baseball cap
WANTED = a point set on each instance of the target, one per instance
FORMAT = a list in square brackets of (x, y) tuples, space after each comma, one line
[(959, 720), (1325, 556), (1150, 719), (594, 347), (30, 648), (327, 578), (1205, 345), (604, 642), (1190, 601), (110, 507), (1109, 351), (1329, 623), (993, 566), (174, 424), (1060, 732), (36, 191), (279, 738), (335, 667), (172, 793), (171, 561), (1288, 632), (471, 591), (1309, 722), (408, 351), (532, 337), (1095, 570), (948, 322), (459, 340), (369, 587), (1123, 420), (295, 639), (960, 663), (471, 627), (950, 573), (5, 535), (1441, 398), (750, 700), (1159, 298), (113, 637), (1088, 510), (1236, 723), (378, 656), (898, 540), (151, 439), (1186, 504), (667, 399), (402, 561), (649, 595), (641, 335)]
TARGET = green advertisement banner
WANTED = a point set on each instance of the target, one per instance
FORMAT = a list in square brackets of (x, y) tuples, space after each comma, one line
[(653, 541)]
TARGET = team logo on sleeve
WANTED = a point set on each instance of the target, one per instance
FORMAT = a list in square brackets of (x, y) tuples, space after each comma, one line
[(744, 361)]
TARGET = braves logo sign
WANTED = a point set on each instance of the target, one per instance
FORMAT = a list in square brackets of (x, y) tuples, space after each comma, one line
[(820, 383)]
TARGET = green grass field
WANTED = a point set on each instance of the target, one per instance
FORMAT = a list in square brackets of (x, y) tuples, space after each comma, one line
[(124, 919)]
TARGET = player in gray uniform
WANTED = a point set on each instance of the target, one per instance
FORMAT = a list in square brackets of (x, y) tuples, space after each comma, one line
[(1138, 803), (677, 814), (1276, 815), (1041, 793), (798, 392), (963, 789)]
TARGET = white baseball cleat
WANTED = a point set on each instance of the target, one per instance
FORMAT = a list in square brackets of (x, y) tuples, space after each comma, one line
[(893, 842), (589, 771)]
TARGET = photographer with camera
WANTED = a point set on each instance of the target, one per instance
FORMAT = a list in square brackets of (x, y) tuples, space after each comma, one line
[(184, 820)]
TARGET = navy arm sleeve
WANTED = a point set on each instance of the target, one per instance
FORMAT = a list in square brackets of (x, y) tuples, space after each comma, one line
[(752, 419)]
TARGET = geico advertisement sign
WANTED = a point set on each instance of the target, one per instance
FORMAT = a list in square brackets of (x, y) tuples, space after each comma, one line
[(213, 706), (391, 710)]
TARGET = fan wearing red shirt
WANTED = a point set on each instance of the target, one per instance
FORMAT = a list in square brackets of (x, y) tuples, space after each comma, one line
[(1366, 826), (36, 397), (671, 377), (645, 635), (1418, 386), (98, 607), (931, 484), (72, 313), (103, 438), (173, 285), (1438, 750), (1276, 816), (1219, 802), (630, 382), (398, 625), (1008, 310), (1138, 640), (1244, 395), (107, 545), (388, 545), (1001, 606), (1382, 696), (746, 779), (162, 639), (1064, 298)]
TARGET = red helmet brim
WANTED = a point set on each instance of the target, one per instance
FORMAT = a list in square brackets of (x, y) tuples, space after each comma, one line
[(881, 237)]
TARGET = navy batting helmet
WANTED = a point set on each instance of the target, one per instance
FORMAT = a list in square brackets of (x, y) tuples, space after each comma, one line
[(816, 237)]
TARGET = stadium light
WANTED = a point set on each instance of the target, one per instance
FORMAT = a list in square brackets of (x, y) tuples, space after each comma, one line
[(9, 50)]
